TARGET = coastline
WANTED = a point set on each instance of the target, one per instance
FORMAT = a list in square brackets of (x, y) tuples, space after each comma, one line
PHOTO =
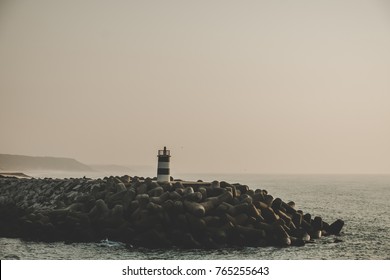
[(14, 174)]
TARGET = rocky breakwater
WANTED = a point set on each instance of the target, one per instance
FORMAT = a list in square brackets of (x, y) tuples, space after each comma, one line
[(142, 212)]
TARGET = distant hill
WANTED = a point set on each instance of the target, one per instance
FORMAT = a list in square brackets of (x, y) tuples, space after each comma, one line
[(14, 174), (24, 163)]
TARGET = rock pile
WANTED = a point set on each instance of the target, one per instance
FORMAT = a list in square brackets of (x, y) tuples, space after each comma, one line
[(142, 212)]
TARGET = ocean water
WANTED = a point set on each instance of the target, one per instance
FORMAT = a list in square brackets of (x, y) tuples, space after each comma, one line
[(362, 201)]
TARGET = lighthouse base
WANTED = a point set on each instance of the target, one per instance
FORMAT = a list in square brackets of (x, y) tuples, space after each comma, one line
[(163, 178)]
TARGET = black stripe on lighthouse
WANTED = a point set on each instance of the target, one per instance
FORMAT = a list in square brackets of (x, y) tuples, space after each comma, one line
[(162, 171), (163, 158)]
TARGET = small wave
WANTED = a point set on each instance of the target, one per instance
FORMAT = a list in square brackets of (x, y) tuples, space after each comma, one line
[(109, 243), (10, 257)]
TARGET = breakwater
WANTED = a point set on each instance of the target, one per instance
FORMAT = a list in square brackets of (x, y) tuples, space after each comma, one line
[(142, 212)]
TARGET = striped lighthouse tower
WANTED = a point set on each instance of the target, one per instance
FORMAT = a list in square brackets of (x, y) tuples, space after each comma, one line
[(163, 165)]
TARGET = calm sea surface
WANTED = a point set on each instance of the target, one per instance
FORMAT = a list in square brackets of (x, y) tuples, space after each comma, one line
[(362, 201)]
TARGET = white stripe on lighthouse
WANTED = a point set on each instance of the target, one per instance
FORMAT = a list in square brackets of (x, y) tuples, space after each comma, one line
[(163, 164)]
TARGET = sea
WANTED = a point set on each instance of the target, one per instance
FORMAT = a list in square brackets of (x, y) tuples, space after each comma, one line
[(361, 201)]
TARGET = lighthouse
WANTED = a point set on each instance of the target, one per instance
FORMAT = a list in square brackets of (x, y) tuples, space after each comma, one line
[(163, 165)]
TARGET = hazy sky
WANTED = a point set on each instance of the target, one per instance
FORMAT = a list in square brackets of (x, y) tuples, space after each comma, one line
[(228, 86)]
